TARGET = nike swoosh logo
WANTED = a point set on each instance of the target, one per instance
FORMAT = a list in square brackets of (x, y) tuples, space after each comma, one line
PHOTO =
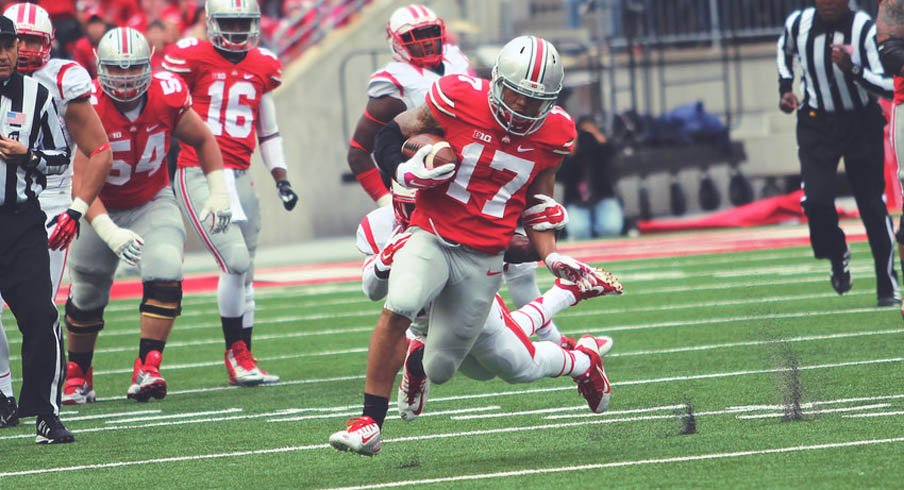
[(248, 77), (521, 149), (151, 128), (366, 439), (491, 273)]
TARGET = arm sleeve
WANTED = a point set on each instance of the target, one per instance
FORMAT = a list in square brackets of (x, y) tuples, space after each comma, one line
[(786, 48), (51, 146), (872, 76), (272, 152)]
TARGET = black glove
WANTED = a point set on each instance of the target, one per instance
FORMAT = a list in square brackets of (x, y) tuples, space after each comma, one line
[(288, 196)]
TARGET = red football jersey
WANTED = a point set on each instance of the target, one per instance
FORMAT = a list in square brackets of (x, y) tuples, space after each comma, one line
[(226, 95), (899, 90), (481, 205), (140, 146)]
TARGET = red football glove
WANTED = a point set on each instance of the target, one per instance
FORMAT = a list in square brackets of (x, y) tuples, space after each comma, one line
[(67, 226), (387, 255), (548, 215)]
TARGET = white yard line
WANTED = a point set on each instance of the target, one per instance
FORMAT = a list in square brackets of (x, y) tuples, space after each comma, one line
[(438, 413), (621, 464), (880, 414), (565, 409), (185, 415), (66, 418), (815, 412)]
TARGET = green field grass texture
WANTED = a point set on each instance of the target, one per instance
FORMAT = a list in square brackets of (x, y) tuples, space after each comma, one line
[(713, 335)]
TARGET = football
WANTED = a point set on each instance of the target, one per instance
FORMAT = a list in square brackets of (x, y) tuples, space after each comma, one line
[(442, 151)]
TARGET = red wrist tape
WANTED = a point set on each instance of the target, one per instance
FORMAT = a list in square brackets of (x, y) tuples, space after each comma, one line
[(372, 182), (99, 149)]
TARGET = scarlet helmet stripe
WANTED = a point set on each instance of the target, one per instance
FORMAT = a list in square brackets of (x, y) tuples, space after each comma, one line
[(21, 17), (423, 10), (412, 11), (124, 41), (32, 13), (539, 60)]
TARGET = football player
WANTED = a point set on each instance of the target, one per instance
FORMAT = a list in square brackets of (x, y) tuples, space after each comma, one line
[(420, 56), (135, 218), (510, 138), (503, 347), (230, 80), (70, 86)]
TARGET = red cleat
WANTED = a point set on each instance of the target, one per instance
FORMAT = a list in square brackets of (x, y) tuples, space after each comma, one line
[(147, 382)]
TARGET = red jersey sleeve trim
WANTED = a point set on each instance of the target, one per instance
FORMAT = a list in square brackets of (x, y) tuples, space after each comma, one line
[(368, 115), (369, 234), (439, 101)]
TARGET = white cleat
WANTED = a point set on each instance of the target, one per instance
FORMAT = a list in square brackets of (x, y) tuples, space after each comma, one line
[(362, 436)]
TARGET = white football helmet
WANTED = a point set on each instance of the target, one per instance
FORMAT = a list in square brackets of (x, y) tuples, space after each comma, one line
[(402, 203), (416, 35), (123, 49), (233, 40), (531, 67), (31, 20)]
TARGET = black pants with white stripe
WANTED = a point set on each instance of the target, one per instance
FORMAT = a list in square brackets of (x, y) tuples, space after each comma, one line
[(823, 139), (25, 285)]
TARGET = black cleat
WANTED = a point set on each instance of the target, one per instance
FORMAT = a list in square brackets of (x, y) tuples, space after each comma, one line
[(841, 273), (52, 431), (888, 301), (9, 414)]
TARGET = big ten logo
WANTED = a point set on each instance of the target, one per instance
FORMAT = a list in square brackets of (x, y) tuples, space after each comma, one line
[(483, 136)]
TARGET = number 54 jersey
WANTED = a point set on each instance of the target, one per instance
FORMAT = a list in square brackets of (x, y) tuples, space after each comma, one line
[(481, 205), (226, 95), (140, 146)]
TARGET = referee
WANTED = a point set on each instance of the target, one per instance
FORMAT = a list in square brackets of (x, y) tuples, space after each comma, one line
[(32, 145), (839, 117)]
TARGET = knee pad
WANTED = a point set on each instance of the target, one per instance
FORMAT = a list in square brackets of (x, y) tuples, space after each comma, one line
[(83, 321), (162, 299)]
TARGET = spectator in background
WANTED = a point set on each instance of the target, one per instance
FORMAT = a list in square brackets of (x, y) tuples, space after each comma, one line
[(94, 27), (64, 16), (158, 38), (296, 26), (589, 179)]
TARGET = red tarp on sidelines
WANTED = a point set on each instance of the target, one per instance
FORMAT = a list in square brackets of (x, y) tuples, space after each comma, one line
[(769, 211)]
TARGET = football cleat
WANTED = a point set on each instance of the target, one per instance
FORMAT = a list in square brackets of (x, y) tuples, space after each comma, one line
[(841, 272), (242, 367), (361, 435), (79, 387), (146, 379), (9, 414), (51, 431), (594, 384), (413, 390)]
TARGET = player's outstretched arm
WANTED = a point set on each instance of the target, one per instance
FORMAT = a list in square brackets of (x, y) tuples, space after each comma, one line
[(272, 151), (378, 113), (88, 134), (192, 130)]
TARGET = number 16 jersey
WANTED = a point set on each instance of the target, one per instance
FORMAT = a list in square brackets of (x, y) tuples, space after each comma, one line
[(226, 95)]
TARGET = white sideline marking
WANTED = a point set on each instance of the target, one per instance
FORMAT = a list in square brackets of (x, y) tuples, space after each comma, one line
[(618, 464), (815, 412), (748, 408), (438, 413), (66, 418), (566, 409), (880, 414), (175, 416)]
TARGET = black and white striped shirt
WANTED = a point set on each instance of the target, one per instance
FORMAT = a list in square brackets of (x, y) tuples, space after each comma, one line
[(827, 87), (29, 115)]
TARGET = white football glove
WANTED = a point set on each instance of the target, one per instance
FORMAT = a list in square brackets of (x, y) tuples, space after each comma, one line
[(570, 269), (413, 174), (217, 204), (125, 243), (547, 215)]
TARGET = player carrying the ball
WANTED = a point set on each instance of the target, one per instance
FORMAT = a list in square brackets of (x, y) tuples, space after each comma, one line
[(510, 138)]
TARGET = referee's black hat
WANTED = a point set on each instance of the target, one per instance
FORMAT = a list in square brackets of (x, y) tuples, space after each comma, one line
[(7, 27)]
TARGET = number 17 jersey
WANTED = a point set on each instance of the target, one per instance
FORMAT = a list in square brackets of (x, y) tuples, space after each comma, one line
[(226, 95), (481, 205)]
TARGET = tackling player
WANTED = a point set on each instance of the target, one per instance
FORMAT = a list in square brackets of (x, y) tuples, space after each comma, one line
[(510, 138), (70, 86), (231, 80), (136, 218), (503, 347)]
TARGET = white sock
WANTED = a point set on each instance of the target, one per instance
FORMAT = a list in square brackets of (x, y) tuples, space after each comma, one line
[(550, 333), (231, 295), (521, 280), (535, 315), (250, 305), (555, 361), (6, 376)]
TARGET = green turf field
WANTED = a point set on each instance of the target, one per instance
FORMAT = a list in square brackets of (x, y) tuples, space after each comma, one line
[(714, 332)]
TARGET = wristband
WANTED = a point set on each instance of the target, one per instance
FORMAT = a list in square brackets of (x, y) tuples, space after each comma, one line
[(372, 182), (99, 149), (78, 205)]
